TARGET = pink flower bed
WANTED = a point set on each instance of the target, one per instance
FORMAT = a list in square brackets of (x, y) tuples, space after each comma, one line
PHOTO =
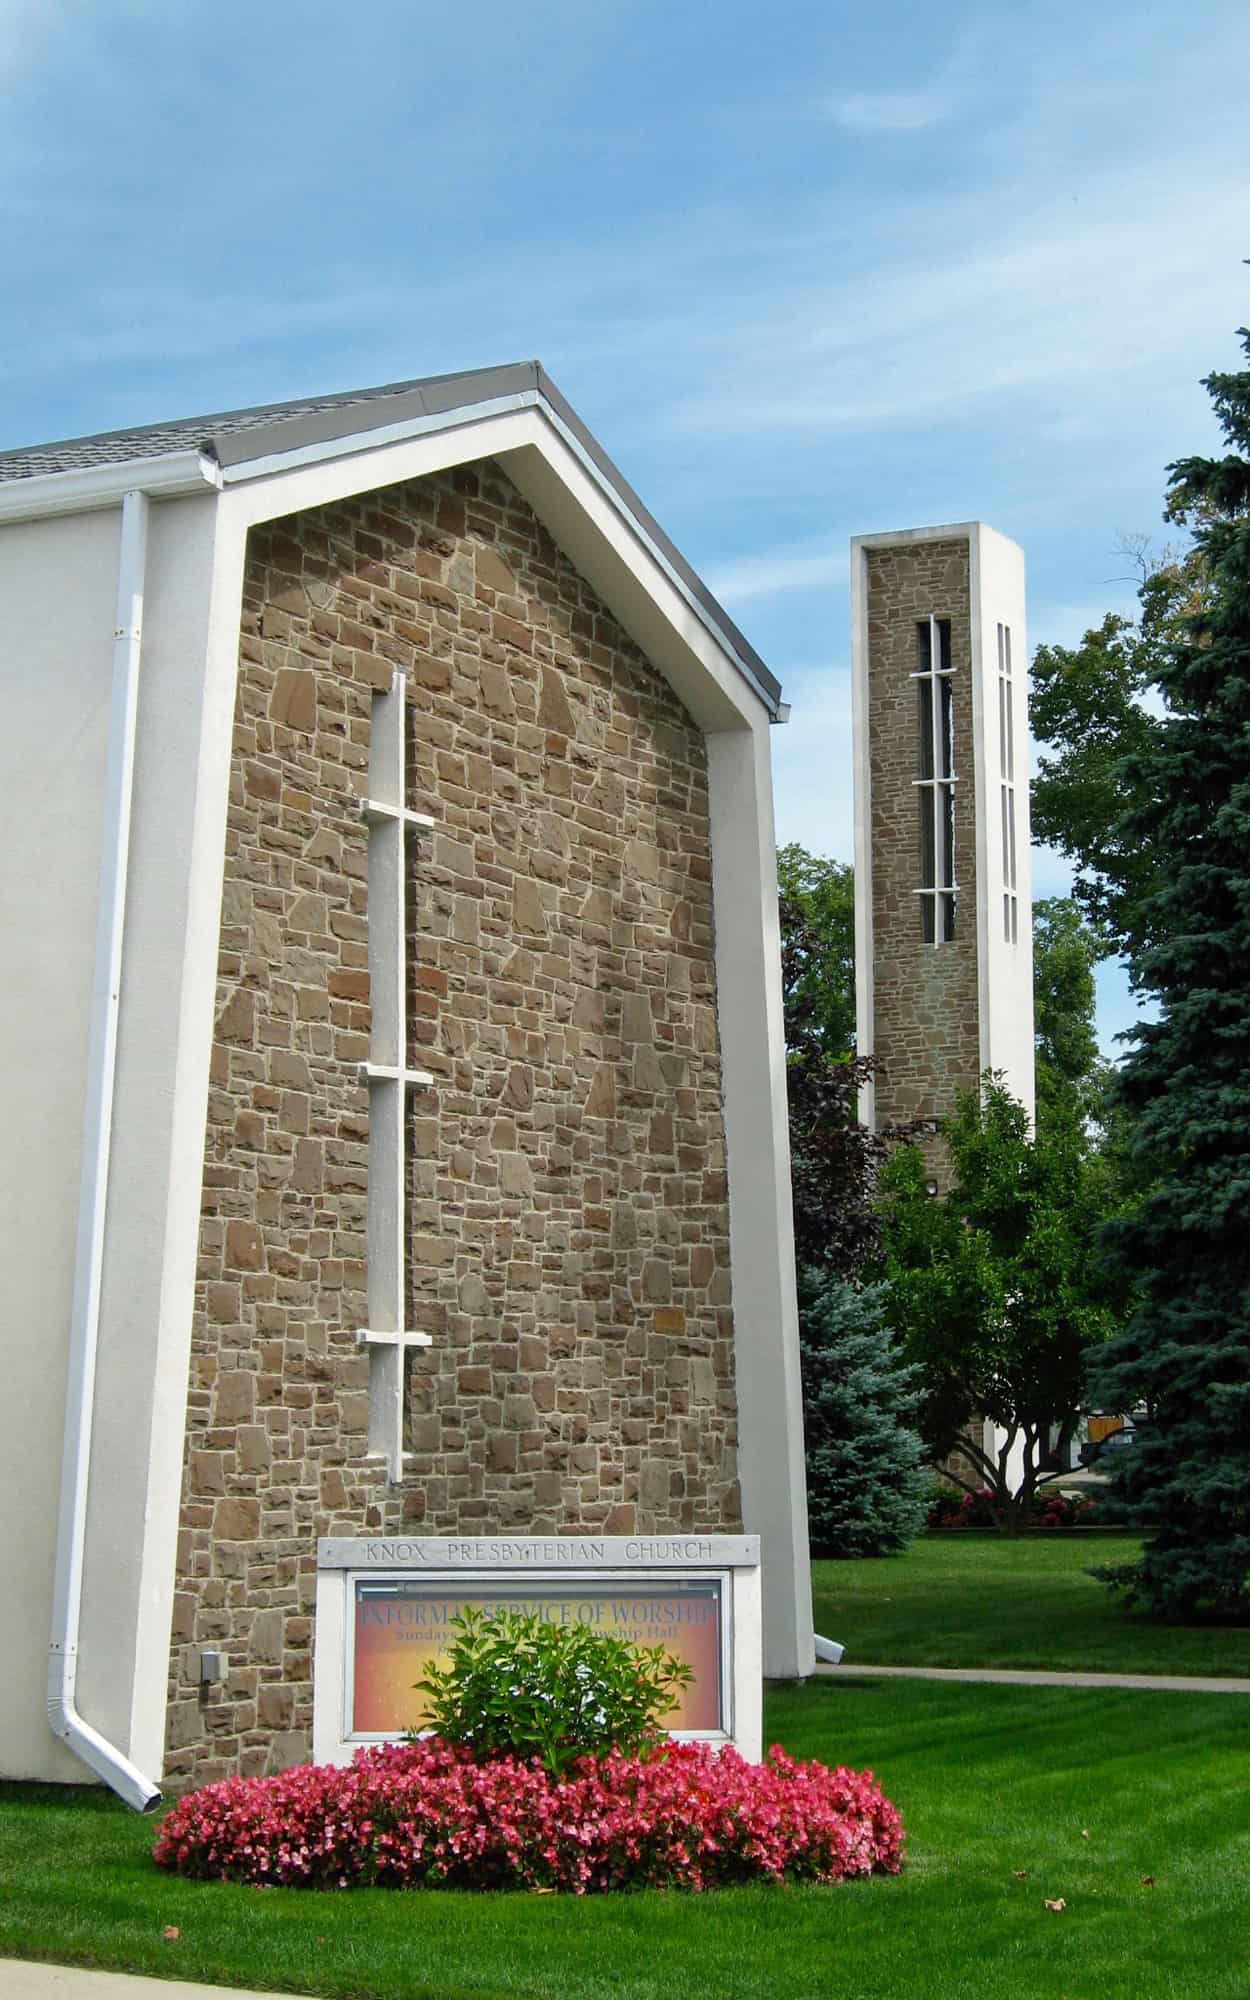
[(425, 1814)]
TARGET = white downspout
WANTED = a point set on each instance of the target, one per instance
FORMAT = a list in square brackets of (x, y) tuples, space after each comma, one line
[(86, 1742)]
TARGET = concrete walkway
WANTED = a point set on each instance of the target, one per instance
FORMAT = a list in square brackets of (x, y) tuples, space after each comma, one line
[(22, 1979), (1027, 1677)]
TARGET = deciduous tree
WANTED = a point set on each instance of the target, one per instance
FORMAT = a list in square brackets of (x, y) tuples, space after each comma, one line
[(833, 1158), (817, 903), (996, 1289)]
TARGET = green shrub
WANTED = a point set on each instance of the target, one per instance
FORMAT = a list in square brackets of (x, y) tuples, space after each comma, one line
[(515, 1685)]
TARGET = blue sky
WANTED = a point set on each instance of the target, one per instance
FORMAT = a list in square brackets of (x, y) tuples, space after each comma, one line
[(805, 271)]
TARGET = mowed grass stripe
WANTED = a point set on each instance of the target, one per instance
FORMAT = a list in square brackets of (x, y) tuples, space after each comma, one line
[(986, 1601), (990, 1780)]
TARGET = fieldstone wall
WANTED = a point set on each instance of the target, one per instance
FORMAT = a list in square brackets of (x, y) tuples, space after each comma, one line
[(568, 1219), (926, 1029)]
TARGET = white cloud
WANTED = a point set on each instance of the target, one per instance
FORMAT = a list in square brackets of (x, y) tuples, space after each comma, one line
[(960, 302), (893, 110), (23, 24), (779, 570)]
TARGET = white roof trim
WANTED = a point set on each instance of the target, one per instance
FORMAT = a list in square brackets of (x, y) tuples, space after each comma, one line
[(446, 423), (355, 442), (83, 488)]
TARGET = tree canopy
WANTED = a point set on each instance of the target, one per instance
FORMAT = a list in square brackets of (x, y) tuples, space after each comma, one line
[(995, 1287), (833, 1158), (1069, 1075), (817, 905), (1094, 713)]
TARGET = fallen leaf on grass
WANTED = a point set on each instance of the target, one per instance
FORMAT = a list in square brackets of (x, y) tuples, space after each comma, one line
[(172, 1933), (1055, 1903), (1147, 1881)]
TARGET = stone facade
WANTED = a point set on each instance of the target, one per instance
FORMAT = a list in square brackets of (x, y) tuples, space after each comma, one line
[(568, 1218), (926, 1033)]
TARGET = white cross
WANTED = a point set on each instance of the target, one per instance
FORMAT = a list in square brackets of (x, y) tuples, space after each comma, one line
[(388, 1078)]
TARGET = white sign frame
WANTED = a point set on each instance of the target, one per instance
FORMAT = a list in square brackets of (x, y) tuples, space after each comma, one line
[(519, 1561)]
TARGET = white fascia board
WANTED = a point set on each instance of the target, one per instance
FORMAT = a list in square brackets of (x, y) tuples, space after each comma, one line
[(778, 712), (439, 422), (584, 513), (621, 563), (85, 487)]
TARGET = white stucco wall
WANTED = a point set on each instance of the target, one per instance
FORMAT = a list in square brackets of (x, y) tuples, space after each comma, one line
[(1005, 970), (58, 581)]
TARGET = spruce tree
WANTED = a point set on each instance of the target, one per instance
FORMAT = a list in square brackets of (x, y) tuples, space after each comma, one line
[(866, 1480), (1183, 1363)]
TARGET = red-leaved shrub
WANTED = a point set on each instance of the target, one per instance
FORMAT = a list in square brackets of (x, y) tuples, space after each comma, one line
[(426, 1814), (1051, 1509)]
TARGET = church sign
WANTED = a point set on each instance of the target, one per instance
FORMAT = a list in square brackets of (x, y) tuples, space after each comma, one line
[(386, 1605)]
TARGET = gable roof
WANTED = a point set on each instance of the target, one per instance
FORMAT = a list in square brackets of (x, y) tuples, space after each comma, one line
[(234, 439), (223, 435)]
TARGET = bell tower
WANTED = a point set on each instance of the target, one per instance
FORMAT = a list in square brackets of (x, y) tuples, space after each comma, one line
[(944, 957)]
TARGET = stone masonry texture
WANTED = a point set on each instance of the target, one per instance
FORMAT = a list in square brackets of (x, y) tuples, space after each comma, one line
[(925, 1030), (567, 1209)]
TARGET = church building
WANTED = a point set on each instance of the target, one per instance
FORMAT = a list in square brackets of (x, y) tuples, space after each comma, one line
[(395, 1134)]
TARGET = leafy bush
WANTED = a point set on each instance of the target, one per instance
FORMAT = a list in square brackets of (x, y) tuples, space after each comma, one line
[(949, 1508), (516, 1686), (865, 1464), (429, 1814)]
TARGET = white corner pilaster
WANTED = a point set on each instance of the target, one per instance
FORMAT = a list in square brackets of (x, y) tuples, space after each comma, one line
[(862, 765), (761, 1224)]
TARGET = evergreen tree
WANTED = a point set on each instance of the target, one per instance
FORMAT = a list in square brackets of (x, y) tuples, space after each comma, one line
[(866, 1481), (1183, 1362)]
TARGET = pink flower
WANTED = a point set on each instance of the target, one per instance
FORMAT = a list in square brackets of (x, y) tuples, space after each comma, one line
[(405, 1814)]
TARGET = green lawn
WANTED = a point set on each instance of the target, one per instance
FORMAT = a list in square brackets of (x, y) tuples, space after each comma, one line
[(990, 1780), (984, 1601)]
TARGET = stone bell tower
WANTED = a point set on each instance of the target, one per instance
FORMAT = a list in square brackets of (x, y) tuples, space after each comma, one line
[(942, 879)]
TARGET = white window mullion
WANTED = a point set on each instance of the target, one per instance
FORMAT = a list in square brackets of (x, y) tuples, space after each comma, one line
[(1006, 750), (937, 810)]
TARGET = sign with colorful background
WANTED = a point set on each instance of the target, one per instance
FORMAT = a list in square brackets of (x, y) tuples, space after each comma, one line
[(402, 1624)]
